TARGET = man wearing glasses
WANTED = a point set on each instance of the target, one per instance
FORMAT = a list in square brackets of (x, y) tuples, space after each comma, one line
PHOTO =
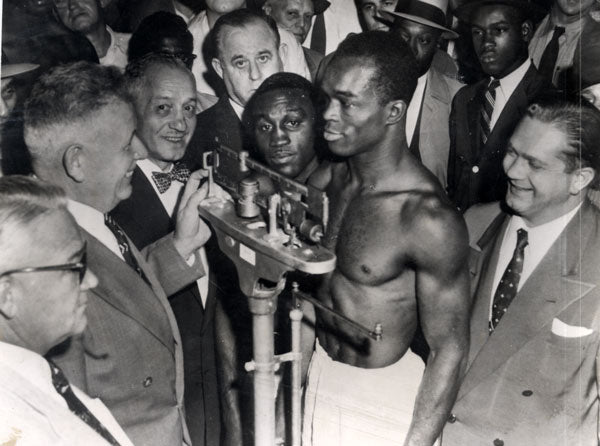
[(81, 131), (43, 297)]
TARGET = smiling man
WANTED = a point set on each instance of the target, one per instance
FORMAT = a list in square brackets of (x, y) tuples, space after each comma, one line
[(485, 114), (401, 260), (165, 104), (80, 128), (532, 374)]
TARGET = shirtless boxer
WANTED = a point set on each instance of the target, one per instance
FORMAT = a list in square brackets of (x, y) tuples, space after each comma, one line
[(401, 259)]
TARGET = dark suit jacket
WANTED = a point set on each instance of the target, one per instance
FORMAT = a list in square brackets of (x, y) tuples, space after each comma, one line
[(219, 121), (534, 381), (475, 173), (130, 353), (145, 220)]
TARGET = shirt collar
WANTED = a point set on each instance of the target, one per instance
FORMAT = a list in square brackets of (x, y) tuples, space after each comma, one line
[(86, 216), (555, 226), (509, 83), (237, 108), (30, 365)]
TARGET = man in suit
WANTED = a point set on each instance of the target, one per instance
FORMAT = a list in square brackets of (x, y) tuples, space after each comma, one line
[(422, 25), (87, 17), (485, 114), (247, 52), (556, 44), (164, 94), (44, 282), (296, 17), (80, 130), (532, 374)]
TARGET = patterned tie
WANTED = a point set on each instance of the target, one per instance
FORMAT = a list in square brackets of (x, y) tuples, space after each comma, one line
[(318, 40), (509, 283), (550, 55), (124, 245), (489, 99), (62, 386), (163, 180)]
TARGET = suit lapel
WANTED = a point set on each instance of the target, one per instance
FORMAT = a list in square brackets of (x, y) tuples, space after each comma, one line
[(230, 124), (488, 259), (121, 287), (552, 286), (473, 112)]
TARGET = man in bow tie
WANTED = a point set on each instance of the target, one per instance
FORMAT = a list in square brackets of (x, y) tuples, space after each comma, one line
[(164, 95)]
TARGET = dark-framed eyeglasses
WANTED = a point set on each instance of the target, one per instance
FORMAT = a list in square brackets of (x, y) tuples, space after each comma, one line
[(79, 267)]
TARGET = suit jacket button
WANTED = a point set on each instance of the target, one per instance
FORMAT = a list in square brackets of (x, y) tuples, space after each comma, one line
[(147, 382), (475, 169), (452, 418), (498, 442), (526, 393)]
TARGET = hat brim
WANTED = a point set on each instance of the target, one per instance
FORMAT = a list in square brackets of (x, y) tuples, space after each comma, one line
[(533, 11), (10, 70), (447, 32)]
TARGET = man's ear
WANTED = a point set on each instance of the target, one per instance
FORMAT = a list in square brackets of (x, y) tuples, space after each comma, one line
[(581, 179), (526, 30), (216, 64), (397, 111), (8, 306), (104, 4), (283, 50), (267, 9), (73, 160)]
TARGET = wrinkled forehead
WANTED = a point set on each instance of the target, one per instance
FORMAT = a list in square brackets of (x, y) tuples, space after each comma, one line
[(253, 36)]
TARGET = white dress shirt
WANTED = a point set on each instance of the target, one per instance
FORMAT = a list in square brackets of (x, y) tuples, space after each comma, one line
[(92, 220), (28, 402), (567, 43), (117, 51), (508, 84), (170, 200), (341, 19), (412, 113), (540, 239)]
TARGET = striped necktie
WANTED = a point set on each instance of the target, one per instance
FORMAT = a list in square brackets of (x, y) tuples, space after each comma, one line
[(489, 100), (124, 246)]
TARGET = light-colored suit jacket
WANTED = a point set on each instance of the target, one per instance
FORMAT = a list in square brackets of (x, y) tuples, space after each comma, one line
[(434, 133), (130, 354), (534, 381)]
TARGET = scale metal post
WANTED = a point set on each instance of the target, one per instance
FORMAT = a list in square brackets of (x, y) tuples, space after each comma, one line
[(274, 226)]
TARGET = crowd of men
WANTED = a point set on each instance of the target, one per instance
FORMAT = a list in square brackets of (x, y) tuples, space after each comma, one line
[(458, 144)]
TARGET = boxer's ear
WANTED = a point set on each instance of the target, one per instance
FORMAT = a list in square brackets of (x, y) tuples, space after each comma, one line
[(397, 111)]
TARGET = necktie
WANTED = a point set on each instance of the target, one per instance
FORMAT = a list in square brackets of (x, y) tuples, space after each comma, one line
[(489, 100), (62, 386), (319, 35), (509, 283), (548, 60), (124, 245), (163, 180)]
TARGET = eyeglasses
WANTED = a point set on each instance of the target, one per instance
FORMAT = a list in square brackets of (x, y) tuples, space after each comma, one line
[(79, 267)]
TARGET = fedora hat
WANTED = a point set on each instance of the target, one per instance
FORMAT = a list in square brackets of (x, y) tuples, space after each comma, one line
[(531, 8), (426, 12), (10, 70)]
